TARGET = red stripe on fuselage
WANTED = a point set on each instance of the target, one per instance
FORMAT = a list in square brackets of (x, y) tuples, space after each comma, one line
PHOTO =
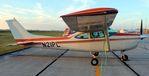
[(126, 34), (85, 41)]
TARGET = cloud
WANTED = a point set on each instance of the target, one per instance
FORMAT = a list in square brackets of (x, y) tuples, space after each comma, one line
[(77, 5), (38, 18), (39, 5), (6, 5), (33, 18)]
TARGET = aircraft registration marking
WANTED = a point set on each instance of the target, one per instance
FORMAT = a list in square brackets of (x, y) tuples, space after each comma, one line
[(50, 44)]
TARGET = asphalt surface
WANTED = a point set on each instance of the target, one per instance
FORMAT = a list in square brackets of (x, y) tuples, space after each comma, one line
[(50, 62)]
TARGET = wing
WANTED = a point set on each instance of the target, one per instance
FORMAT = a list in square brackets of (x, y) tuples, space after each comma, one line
[(90, 20)]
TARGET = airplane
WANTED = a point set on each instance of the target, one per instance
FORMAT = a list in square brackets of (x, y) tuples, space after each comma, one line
[(92, 34)]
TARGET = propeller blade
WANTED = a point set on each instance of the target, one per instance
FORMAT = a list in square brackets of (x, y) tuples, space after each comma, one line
[(141, 27)]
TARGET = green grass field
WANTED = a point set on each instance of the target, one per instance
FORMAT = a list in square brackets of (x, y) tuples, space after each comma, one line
[(6, 38)]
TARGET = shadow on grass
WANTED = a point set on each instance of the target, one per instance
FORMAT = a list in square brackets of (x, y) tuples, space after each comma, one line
[(7, 49)]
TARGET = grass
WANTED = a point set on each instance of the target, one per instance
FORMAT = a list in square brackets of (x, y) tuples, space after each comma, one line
[(6, 38)]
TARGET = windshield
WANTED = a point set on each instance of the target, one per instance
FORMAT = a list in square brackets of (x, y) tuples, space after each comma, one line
[(111, 31)]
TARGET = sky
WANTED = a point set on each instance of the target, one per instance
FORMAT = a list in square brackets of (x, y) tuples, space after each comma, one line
[(45, 14)]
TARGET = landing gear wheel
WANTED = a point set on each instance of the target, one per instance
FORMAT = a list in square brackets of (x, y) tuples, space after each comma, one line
[(96, 53), (94, 61), (124, 58)]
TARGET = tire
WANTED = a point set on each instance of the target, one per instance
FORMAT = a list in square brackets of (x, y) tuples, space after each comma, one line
[(124, 58), (94, 61)]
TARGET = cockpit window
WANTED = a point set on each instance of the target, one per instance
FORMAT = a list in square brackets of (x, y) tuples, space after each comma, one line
[(82, 36), (98, 34)]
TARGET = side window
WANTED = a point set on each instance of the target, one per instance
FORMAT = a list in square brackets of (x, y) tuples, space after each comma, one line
[(98, 34), (82, 36)]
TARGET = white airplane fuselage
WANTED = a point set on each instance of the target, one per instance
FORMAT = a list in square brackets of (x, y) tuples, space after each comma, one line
[(117, 42)]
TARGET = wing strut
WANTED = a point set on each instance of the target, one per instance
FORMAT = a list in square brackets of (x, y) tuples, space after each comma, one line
[(105, 29)]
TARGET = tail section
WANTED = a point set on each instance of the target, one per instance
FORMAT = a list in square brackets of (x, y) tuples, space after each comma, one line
[(19, 32)]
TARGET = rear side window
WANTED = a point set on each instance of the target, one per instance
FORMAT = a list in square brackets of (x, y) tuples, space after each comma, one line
[(82, 36)]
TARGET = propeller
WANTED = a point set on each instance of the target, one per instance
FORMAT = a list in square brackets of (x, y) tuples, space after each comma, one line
[(141, 27)]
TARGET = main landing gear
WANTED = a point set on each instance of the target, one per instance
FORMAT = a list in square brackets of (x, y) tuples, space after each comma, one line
[(94, 61), (124, 57)]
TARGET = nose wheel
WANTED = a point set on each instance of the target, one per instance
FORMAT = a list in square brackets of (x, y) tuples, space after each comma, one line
[(94, 61)]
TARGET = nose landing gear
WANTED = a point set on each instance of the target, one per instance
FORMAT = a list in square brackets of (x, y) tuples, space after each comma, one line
[(94, 61), (124, 57)]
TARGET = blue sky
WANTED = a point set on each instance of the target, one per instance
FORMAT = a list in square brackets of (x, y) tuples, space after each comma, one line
[(45, 14)]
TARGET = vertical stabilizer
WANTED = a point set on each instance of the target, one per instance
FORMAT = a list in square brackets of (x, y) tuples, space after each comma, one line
[(18, 31)]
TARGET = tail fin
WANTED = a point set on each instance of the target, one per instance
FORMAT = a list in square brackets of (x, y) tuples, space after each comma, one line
[(18, 31)]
